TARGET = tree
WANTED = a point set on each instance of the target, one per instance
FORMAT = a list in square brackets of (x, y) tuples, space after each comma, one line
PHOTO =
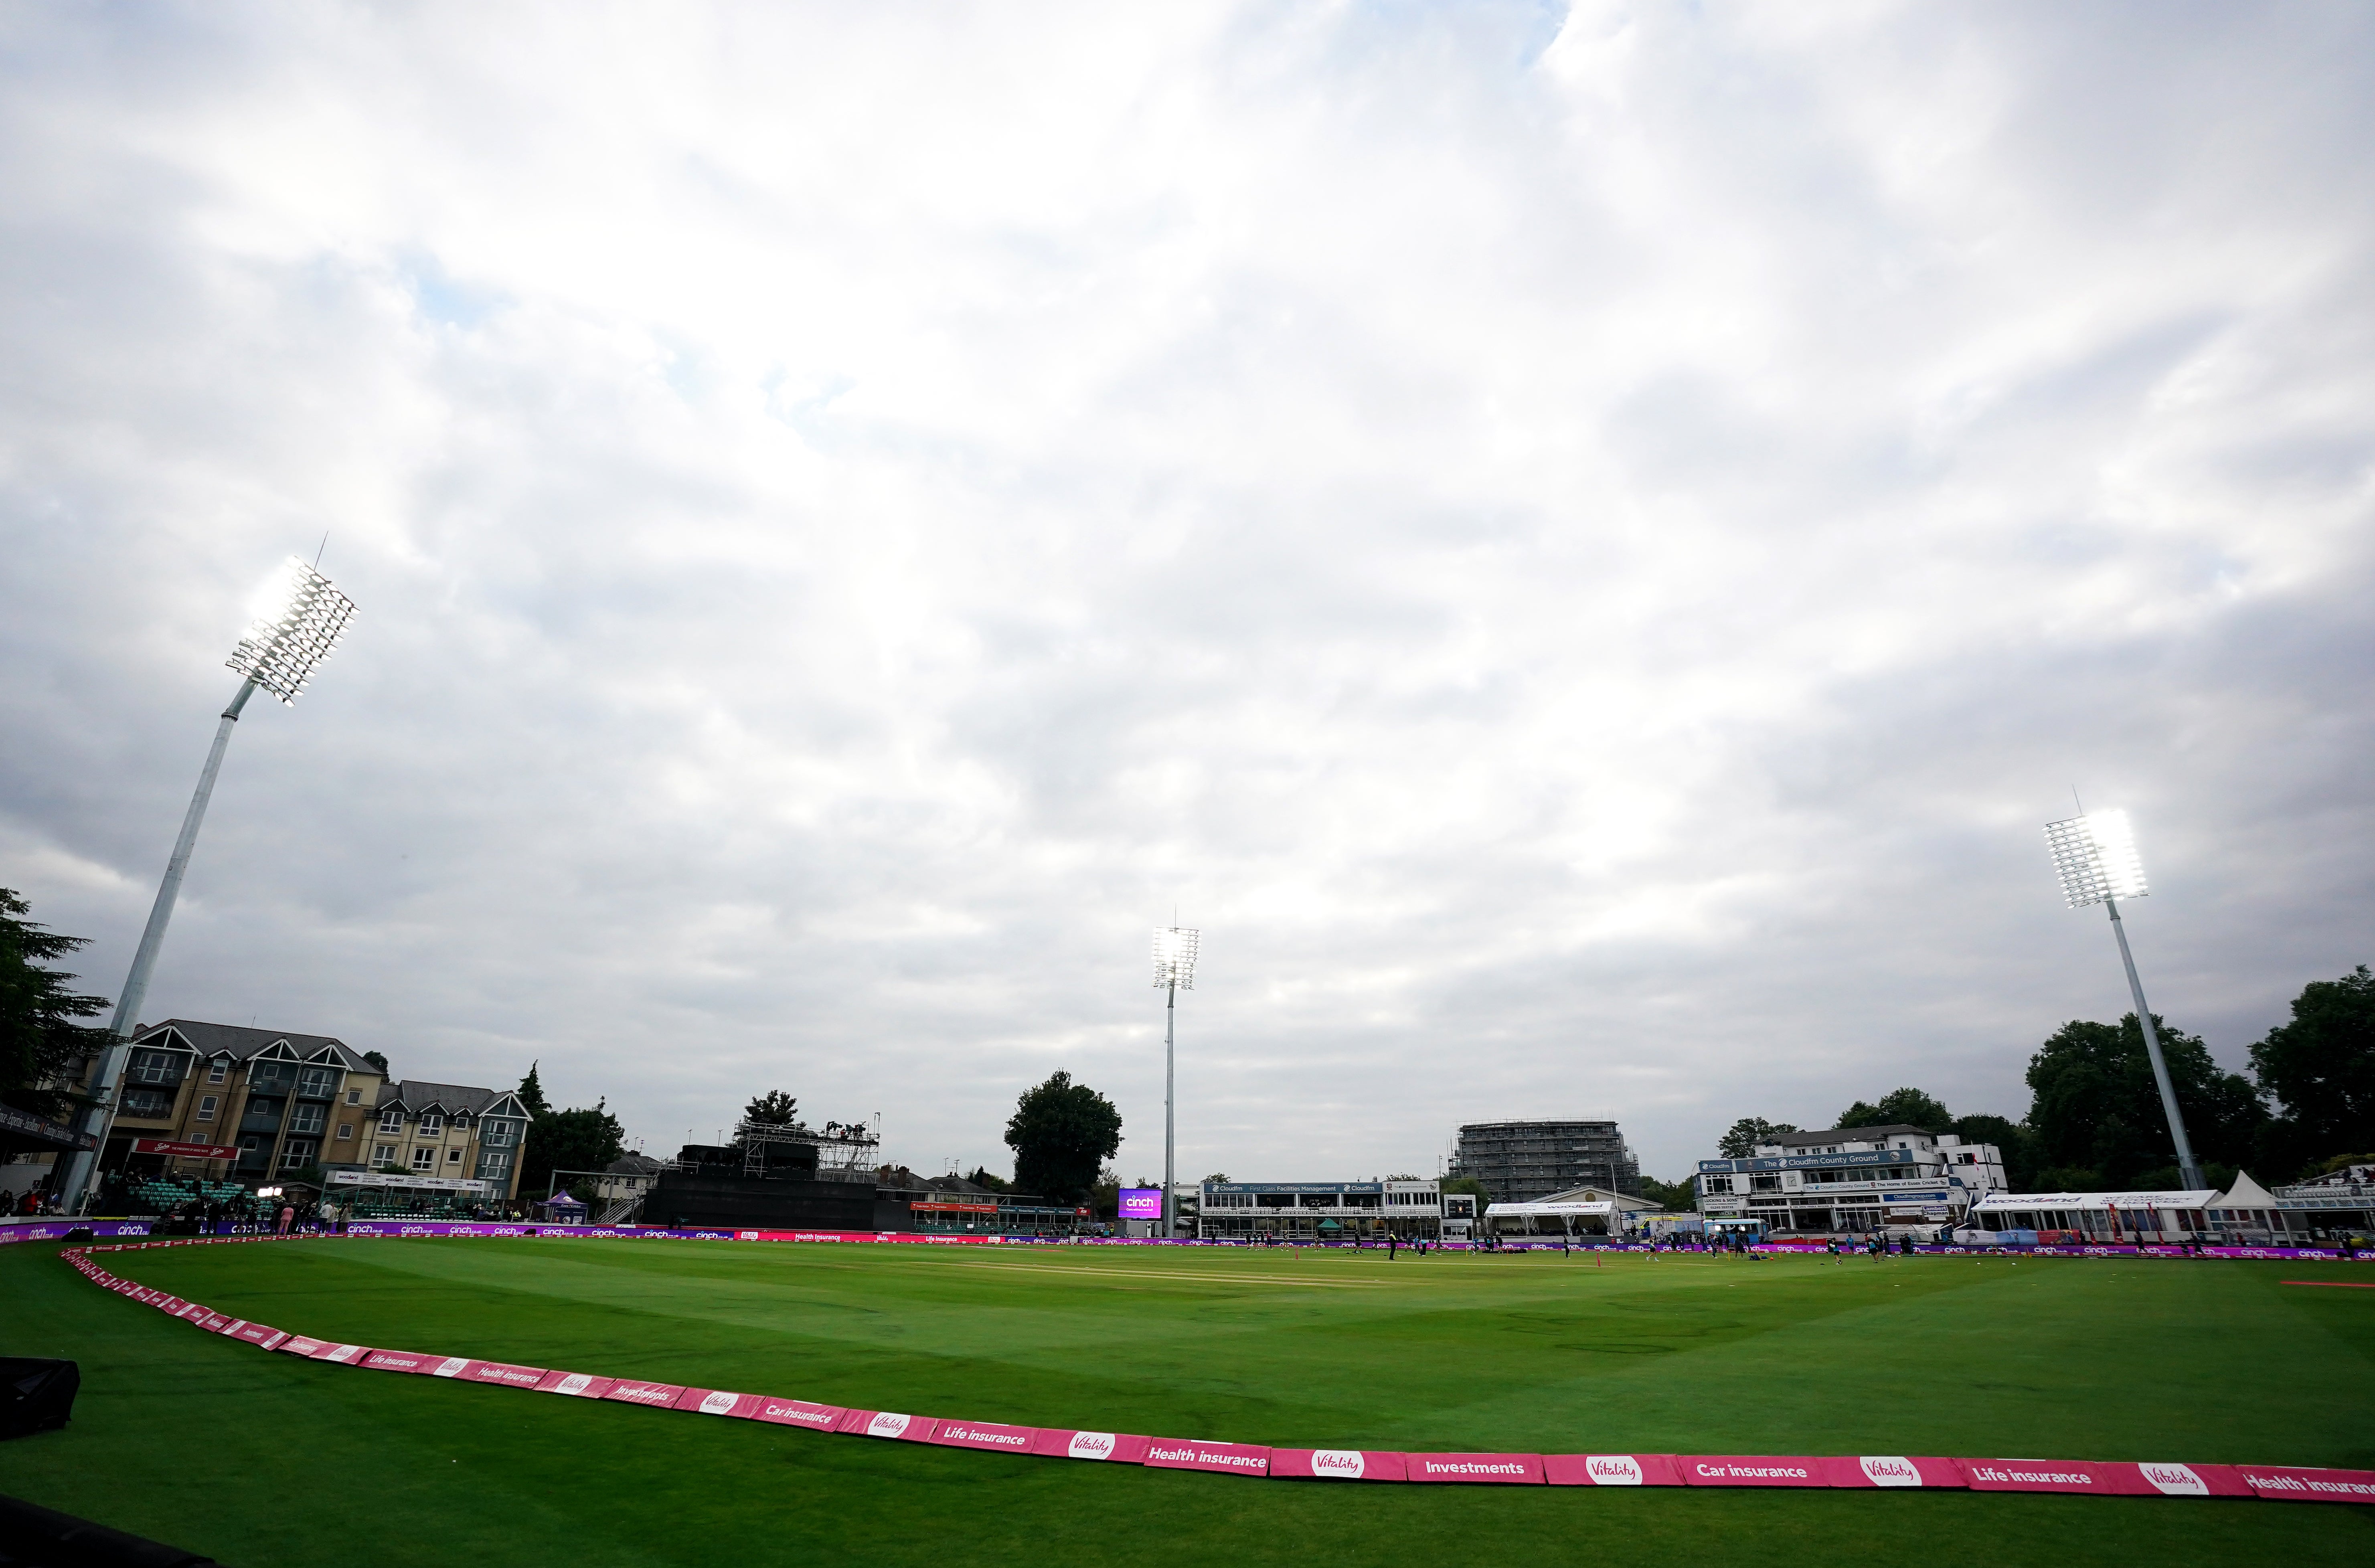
[(772, 1109), (1747, 1134), (38, 1035), (531, 1094), (375, 1059), (2096, 1121), (1672, 1197), (2320, 1069), (982, 1178), (1061, 1133), (569, 1140), (1899, 1107)]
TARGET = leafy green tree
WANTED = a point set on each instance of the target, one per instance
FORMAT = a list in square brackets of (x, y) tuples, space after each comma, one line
[(1673, 1197), (2320, 1069), (1747, 1134), (2097, 1118), (38, 1035), (1062, 1133), (531, 1094), (982, 1178), (376, 1060), (1899, 1107), (569, 1140)]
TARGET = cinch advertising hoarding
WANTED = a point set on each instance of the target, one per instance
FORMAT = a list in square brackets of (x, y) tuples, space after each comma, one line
[(1142, 1203)]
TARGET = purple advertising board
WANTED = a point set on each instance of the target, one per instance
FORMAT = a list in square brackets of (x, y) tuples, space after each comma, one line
[(1142, 1203)]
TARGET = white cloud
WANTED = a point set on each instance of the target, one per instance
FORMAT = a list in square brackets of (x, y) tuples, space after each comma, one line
[(1580, 549)]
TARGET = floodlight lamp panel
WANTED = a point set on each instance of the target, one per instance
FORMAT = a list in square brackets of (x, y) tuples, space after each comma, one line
[(2095, 857), (1175, 957), (303, 622)]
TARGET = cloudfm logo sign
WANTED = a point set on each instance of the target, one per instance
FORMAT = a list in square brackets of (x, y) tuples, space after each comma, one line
[(1889, 1469), (1342, 1464)]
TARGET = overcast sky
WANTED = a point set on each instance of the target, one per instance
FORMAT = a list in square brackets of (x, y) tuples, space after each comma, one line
[(1579, 547)]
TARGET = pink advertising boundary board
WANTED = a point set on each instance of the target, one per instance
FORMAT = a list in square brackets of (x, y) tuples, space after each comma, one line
[(2101, 1478)]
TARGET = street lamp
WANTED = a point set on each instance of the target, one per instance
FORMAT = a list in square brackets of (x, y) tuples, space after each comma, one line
[(1174, 971), (303, 615), (2095, 856)]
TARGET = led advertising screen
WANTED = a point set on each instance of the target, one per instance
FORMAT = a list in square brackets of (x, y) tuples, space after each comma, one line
[(1142, 1203)]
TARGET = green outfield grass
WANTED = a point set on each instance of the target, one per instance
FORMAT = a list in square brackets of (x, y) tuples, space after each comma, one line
[(267, 1459)]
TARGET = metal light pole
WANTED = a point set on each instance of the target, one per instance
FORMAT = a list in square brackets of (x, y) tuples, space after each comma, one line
[(2096, 857), (278, 654), (1174, 971)]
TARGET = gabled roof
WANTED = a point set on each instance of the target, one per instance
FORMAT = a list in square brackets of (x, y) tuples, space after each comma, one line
[(413, 1096), (230, 1041), (2245, 1194)]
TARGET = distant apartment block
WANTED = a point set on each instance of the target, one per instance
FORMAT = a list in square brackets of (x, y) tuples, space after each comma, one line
[(1527, 1161)]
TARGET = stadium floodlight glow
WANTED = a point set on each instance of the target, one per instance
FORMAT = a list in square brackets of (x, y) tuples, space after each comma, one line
[(1175, 958), (301, 625), (300, 618), (2095, 856), (1174, 971)]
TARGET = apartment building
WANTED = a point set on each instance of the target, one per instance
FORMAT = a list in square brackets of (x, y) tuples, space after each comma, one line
[(450, 1131), (223, 1101), (1527, 1161), (266, 1101)]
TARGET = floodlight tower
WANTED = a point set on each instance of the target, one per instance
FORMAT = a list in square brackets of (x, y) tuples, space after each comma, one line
[(1174, 971), (301, 624), (2096, 856)]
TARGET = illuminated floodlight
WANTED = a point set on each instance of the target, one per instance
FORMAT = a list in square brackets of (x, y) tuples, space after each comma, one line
[(2096, 857), (300, 622), (1175, 957), (299, 618)]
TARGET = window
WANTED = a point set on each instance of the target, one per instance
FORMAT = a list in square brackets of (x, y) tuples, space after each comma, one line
[(496, 1135), (495, 1165), (383, 1154), (431, 1123), (391, 1120), (148, 1102), (268, 1075), (452, 1157), (296, 1153), (307, 1119), (316, 1082), (424, 1160), (206, 1107), (1764, 1184), (218, 1071), (263, 1108), (156, 1066), (354, 1096), (345, 1131)]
